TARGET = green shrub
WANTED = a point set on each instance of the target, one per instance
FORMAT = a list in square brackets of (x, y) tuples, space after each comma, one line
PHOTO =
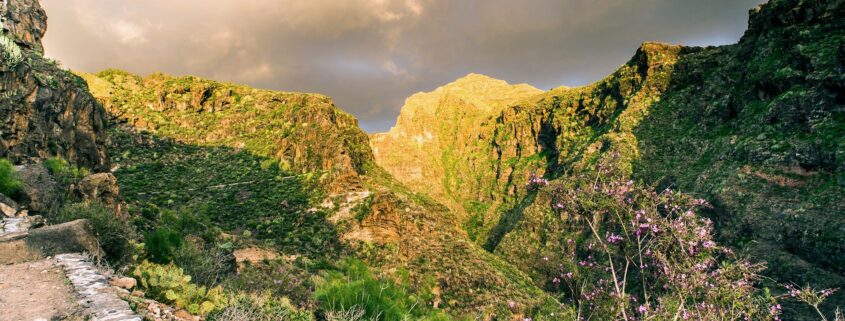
[(10, 185), (11, 52), (207, 263), (169, 284), (355, 287), (113, 233), (171, 229), (64, 172), (161, 244), (260, 308)]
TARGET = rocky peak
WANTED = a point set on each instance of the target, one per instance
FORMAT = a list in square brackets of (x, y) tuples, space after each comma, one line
[(437, 125)]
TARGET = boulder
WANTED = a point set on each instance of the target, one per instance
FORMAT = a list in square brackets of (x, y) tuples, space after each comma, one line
[(123, 283), (71, 237), (100, 186), (8, 207), (40, 192)]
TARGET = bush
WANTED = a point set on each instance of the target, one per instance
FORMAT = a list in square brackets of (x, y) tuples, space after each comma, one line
[(632, 253), (171, 229), (207, 263), (355, 288), (260, 308), (64, 172), (161, 244), (11, 52), (278, 278), (113, 233), (10, 185), (169, 284)]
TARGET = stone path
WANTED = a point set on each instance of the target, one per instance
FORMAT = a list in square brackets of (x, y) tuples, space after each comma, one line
[(96, 295), (64, 287)]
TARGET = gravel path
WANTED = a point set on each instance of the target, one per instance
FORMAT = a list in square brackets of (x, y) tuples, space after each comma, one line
[(37, 291)]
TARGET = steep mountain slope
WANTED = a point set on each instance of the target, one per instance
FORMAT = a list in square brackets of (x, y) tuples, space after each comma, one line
[(756, 127), (44, 110), (432, 130), (298, 175)]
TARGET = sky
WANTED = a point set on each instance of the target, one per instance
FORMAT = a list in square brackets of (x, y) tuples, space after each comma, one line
[(369, 55)]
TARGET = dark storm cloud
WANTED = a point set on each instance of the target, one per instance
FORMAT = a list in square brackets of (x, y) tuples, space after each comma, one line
[(371, 54)]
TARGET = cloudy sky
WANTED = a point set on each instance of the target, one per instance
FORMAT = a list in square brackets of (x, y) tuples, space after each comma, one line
[(371, 54)]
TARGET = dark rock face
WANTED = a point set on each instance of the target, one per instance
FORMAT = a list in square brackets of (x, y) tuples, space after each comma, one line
[(26, 21), (44, 111)]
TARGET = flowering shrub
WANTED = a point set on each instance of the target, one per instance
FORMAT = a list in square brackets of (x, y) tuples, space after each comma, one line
[(811, 297), (631, 253), (536, 182)]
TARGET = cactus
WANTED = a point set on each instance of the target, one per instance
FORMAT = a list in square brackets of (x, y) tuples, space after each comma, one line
[(169, 284)]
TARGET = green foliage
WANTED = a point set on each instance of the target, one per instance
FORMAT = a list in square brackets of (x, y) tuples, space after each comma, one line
[(10, 185), (363, 209), (208, 264), (260, 308), (354, 286), (114, 234), (63, 171), (220, 189), (161, 244), (169, 284), (278, 278), (10, 51), (171, 228)]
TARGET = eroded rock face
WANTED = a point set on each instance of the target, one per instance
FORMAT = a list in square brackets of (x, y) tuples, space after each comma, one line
[(44, 111), (26, 21)]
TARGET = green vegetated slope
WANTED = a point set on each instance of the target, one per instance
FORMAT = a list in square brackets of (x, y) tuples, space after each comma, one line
[(292, 173), (757, 128), (436, 128)]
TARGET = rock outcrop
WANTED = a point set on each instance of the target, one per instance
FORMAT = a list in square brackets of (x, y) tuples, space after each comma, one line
[(40, 193), (44, 110)]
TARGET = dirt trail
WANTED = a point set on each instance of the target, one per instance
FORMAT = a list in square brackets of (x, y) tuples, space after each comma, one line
[(37, 291)]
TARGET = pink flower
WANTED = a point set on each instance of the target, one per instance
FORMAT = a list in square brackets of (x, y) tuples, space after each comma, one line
[(511, 304), (613, 238), (642, 309)]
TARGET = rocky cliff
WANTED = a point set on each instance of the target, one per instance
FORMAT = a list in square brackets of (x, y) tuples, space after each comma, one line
[(45, 111), (434, 129)]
